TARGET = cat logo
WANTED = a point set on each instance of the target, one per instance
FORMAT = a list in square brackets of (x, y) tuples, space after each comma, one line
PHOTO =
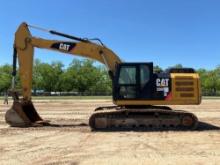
[(162, 85), (163, 82), (64, 46)]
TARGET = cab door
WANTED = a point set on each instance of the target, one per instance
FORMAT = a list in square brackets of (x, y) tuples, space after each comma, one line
[(126, 83), (146, 86)]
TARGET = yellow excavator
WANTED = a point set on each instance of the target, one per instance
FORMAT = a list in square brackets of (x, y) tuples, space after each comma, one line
[(140, 95)]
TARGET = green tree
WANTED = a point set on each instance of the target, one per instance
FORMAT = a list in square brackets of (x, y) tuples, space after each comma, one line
[(5, 77), (178, 66), (87, 76), (37, 78), (103, 83), (212, 81), (83, 76), (69, 77), (46, 76), (57, 73), (157, 69), (203, 77)]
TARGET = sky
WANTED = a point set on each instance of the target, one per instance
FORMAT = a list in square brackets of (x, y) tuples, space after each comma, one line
[(166, 32)]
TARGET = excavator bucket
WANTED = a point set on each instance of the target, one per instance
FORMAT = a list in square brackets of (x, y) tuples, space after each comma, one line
[(24, 114)]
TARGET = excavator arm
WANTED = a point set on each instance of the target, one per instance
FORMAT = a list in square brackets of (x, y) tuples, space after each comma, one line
[(25, 43), (23, 112)]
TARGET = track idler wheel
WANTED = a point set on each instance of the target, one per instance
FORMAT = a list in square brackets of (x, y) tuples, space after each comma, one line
[(189, 121)]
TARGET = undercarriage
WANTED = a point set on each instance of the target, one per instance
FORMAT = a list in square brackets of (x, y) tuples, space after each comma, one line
[(150, 118)]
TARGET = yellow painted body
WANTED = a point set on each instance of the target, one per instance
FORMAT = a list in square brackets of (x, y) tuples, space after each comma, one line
[(185, 90)]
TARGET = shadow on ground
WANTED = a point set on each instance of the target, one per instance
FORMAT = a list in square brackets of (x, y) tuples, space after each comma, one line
[(202, 126), (68, 125)]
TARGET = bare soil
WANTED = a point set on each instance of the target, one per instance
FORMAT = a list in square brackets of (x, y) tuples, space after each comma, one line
[(70, 140)]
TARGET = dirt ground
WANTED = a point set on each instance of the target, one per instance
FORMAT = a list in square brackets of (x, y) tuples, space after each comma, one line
[(72, 142)]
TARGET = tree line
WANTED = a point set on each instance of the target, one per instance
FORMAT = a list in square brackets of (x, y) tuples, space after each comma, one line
[(83, 76)]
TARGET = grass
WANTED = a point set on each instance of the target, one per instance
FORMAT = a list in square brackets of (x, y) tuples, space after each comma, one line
[(88, 97), (210, 97), (66, 97), (71, 97)]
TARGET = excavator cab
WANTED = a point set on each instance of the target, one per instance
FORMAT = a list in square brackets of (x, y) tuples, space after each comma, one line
[(136, 84), (133, 81)]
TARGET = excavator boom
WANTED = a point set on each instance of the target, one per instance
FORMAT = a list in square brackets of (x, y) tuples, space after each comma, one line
[(25, 43)]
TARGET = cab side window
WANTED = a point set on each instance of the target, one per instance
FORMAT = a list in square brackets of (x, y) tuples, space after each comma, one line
[(127, 75), (144, 75), (127, 82)]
